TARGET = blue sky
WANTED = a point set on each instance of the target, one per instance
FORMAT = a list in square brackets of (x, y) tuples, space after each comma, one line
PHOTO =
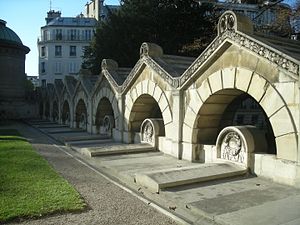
[(26, 17)]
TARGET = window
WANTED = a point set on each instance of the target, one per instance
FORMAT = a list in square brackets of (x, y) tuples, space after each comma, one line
[(43, 67), (58, 34), (72, 34), (43, 51), (72, 50), (58, 50), (88, 35), (73, 68), (58, 68), (45, 35)]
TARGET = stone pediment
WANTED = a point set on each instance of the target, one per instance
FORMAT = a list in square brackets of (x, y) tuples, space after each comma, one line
[(70, 84), (86, 83), (230, 31)]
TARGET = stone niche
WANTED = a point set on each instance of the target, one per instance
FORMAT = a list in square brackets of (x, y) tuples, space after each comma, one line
[(151, 129), (237, 143)]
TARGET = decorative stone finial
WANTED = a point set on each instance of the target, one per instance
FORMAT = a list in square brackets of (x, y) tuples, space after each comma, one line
[(109, 64), (230, 21), (150, 49)]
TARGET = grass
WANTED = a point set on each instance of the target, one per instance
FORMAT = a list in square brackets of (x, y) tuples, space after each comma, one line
[(29, 187)]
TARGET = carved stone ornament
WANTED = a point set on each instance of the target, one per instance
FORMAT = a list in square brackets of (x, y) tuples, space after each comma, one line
[(66, 119), (227, 22), (82, 122), (148, 133), (232, 148), (108, 125)]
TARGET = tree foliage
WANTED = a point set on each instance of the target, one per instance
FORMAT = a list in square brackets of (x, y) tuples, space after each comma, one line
[(181, 27)]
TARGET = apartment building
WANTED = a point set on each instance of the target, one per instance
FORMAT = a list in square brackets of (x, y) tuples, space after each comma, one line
[(61, 45)]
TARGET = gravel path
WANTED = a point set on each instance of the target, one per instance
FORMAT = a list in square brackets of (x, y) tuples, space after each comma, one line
[(108, 203)]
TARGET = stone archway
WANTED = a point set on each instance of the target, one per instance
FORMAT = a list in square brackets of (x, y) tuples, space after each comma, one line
[(105, 102), (148, 91), (66, 113), (219, 90), (105, 120), (81, 115), (144, 107)]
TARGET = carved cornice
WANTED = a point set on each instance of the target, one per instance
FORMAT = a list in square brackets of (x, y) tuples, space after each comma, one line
[(227, 31), (112, 81), (174, 82)]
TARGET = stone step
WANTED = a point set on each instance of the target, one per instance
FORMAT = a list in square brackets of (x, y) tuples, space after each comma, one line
[(161, 179), (88, 142), (38, 123), (84, 137), (45, 126), (114, 149), (61, 130)]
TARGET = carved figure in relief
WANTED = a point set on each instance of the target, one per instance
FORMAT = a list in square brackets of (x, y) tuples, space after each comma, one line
[(148, 133), (231, 148)]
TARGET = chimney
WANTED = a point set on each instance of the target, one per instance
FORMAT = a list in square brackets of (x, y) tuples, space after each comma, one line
[(52, 15)]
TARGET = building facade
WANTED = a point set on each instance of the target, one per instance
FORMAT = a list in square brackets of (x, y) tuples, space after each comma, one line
[(61, 46), (98, 10)]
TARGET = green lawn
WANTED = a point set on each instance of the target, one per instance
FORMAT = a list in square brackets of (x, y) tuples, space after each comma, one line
[(29, 187)]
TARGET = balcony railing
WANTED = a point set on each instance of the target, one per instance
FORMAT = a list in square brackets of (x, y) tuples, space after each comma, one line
[(62, 38)]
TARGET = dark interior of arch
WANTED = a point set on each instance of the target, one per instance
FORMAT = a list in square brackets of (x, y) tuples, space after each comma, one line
[(231, 107), (104, 108), (65, 111), (47, 109), (55, 110), (144, 107), (80, 109)]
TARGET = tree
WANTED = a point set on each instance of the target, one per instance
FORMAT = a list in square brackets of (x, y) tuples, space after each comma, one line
[(180, 27)]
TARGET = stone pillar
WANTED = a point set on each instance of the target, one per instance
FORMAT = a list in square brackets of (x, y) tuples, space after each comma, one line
[(119, 128), (177, 109), (59, 111), (44, 110), (51, 111), (89, 111), (298, 155), (72, 114)]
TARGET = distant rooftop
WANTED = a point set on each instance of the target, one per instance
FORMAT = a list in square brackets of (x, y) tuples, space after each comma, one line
[(72, 21)]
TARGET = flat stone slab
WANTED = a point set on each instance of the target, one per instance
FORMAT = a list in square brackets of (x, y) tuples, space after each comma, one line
[(36, 123), (79, 136), (61, 130), (114, 149), (160, 179), (45, 126), (92, 143)]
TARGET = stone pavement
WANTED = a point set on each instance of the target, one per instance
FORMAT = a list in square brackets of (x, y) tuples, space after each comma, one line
[(235, 201)]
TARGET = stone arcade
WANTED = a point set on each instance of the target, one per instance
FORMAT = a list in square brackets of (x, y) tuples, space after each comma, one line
[(238, 101)]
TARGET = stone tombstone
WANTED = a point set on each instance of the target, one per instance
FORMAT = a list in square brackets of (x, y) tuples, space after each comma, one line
[(151, 128), (237, 143)]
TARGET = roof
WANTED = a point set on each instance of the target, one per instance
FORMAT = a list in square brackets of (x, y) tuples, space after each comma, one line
[(8, 35), (73, 21), (287, 46)]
